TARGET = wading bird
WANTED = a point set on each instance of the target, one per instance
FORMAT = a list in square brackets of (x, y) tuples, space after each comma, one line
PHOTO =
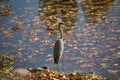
[(59, 46)]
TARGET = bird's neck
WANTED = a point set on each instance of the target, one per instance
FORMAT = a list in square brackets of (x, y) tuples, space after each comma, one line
[(61, 31)]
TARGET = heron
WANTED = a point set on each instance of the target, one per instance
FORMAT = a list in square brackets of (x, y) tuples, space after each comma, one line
[(59, 45)]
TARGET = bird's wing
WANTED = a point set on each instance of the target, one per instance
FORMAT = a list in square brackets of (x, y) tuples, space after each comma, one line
[(56, 51)]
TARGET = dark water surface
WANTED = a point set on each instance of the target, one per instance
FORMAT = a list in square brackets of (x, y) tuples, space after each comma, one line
[(91, 35)]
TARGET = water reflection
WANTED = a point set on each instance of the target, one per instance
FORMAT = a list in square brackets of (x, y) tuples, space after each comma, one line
[(96, 10), (53, 11), (5, 9)]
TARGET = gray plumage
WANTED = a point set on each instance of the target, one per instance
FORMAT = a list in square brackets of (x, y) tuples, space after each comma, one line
[(59, 46)]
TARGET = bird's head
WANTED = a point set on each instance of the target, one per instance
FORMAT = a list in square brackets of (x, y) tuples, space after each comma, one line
[(60, 25)]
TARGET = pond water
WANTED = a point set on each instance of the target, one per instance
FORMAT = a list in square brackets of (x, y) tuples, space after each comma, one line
[(91, 34)]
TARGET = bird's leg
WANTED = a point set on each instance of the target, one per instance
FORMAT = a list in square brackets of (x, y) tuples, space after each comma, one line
[(57, 67), (63, 64)]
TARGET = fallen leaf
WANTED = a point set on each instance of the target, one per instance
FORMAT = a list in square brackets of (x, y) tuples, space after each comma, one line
[(35, 37), (113, 71), (19, 23), (15, 28)]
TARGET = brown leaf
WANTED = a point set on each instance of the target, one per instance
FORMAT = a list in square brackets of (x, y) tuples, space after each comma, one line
[(103, 37), (35, 37), (6, 32), (19, 23), (87, 65), (113, 71), (37, 30), (2, 28), (15, 28)]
